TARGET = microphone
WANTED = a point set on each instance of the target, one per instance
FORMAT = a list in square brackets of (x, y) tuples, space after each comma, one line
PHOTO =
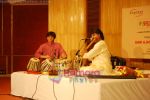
[(77, 53)]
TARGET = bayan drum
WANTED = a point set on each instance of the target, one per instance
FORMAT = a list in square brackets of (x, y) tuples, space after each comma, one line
[(47, 65), (33, 65)]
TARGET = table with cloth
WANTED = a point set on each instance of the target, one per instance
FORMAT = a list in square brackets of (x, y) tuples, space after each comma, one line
[(43, 87)]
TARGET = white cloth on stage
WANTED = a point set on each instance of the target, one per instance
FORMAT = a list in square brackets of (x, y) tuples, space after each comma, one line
[(81, 88)]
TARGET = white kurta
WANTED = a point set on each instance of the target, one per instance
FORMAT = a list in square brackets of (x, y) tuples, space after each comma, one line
[(100, 57)]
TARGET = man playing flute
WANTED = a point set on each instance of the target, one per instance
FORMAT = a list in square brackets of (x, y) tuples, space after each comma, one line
[(99, 55)]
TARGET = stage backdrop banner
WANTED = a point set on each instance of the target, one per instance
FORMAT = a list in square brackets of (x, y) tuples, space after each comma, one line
[(136, 32)]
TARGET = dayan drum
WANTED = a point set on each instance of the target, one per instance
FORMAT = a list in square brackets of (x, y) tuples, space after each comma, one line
[(55, 66), (47, 65), (33, 65)]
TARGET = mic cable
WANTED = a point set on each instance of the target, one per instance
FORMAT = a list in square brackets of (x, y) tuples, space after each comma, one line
[(36, 86)]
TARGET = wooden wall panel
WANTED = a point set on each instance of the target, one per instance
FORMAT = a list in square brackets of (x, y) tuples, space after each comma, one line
[(1, 35), (29, 28), (6, 29), (2, 63), (111, 25), (68, 19), (5, 47), (20, 62), (29, 25), (93, 15)]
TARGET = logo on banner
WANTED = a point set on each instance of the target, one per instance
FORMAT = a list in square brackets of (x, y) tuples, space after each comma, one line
[(136, 12)]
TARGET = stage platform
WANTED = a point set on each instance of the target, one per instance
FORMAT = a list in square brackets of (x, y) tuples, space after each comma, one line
[(45, 87)]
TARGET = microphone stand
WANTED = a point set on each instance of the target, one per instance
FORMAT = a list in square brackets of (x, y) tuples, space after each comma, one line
[(79, 49), (78, 58)]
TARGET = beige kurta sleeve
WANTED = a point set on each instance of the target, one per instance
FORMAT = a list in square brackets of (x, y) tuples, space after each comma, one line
[(96, 50)]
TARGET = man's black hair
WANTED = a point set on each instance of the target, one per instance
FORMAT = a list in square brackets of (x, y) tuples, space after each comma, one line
[(53, 34), (98, 31)]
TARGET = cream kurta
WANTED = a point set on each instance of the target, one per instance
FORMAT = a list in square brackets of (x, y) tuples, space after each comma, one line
[(100, 57)]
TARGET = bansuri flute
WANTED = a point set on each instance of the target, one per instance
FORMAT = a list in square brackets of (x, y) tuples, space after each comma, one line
[(85, 61)]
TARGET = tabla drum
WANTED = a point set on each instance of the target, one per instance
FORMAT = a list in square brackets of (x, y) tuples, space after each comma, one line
[(62, 64), (47, 65), (33, 65)]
